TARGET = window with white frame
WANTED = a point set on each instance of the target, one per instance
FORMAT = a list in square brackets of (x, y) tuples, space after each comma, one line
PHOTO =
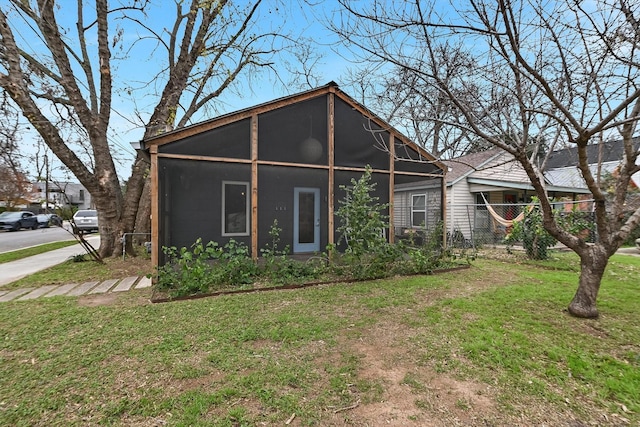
[(235, 208), (418, 210)]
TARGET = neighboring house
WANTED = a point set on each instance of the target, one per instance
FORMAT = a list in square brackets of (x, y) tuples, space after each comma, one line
[(604, 159), (417, 206), (62, 195), (233, 176), (496, 177)]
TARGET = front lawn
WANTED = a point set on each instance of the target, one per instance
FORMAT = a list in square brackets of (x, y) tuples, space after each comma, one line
[(486, 346)]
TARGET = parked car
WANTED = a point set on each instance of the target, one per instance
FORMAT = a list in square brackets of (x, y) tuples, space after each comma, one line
[(46, 220), (86, 220), (638, 243), (14, 221)]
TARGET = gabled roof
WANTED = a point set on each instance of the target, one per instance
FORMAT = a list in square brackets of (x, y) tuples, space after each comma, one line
[(235, 116), (463, 166), (611, 151), (562, 168)]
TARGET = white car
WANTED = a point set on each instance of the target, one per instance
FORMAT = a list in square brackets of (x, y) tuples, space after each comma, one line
[(638, 243), (86, 220)]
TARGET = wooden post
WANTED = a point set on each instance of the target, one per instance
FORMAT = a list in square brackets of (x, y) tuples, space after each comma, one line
[(155, 213), (443, 207), (254, 186), (331, 153), (392, 169)]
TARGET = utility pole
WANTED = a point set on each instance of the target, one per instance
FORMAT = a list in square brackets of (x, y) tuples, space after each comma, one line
[(46, 184)]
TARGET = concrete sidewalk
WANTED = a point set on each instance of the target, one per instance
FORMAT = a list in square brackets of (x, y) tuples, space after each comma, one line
[(15, 270)]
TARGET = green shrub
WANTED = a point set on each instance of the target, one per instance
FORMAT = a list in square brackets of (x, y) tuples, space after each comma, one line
[(205, 268), (531, 232), (362, 228), (536, 239), (278, 268)]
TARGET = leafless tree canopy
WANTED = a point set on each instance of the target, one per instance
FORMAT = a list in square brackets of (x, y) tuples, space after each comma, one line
[(552, 73), (70, 69)]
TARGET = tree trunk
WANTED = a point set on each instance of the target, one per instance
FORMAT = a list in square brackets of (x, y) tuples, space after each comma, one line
[(109, 224), (593, 262)]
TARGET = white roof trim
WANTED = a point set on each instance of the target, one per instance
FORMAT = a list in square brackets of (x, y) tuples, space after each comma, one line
[(524, 185)]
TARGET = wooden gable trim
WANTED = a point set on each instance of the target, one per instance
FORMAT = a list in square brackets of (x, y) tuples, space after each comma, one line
[(330, 88), (237, 116)]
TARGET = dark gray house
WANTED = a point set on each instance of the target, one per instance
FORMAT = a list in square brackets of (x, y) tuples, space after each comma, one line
[(285, 160)]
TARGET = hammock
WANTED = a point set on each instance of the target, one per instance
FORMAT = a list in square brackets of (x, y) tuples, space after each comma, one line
[(506, 223)]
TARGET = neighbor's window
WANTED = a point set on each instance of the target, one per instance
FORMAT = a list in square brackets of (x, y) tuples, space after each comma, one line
[(481, 212), (418, 210), (235, 208)]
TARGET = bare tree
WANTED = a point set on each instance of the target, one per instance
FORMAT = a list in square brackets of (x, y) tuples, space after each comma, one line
[(414, 104), (545, 72), (15, 187), (65, 78)]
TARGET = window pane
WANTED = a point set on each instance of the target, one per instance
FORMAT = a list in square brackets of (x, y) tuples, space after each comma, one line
[(235, 208), (419, 219), (419, 202), (480, 201), (306, 214)]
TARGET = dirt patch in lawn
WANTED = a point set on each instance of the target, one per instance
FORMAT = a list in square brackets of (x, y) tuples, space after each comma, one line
[(130, 266), (112, 298), (415, 392), (412, 393), (98, 300), (406, 386)]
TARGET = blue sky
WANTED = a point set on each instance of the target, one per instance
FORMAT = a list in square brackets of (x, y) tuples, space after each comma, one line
[(296, 18), (293, 18), (300, 18)]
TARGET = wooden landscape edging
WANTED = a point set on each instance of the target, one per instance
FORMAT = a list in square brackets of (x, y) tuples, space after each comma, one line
[(284, 287)]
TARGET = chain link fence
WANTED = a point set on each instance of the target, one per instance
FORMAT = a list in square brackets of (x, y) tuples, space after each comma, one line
[(482, 225)]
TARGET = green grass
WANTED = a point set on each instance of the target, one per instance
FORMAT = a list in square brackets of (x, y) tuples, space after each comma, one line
[(35, 250), (330, 354)]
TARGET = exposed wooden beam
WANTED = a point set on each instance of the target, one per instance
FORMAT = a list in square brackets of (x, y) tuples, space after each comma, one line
[(392, 164), (155, 210), (254, 186), (331, 183)]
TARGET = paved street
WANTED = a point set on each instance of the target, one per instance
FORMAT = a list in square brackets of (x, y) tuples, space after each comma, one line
[(14, 240)]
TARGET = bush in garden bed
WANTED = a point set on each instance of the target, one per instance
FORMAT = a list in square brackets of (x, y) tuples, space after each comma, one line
[(203, 268), (206, 269)]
